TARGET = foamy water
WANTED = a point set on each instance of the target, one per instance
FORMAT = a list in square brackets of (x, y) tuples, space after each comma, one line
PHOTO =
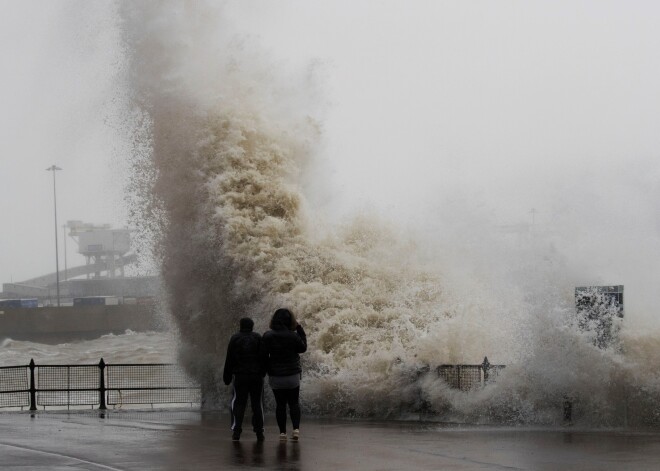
[(222, 149), (129, 347)]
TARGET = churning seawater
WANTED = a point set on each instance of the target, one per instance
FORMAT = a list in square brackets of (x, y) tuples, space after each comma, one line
[(222, 147), (129, 347)]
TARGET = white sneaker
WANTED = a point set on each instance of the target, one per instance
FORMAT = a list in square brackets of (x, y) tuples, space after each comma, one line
[(295, 435), (282, 437)]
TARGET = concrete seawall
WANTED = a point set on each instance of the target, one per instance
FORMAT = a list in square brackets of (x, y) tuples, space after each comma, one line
[(64, 324)]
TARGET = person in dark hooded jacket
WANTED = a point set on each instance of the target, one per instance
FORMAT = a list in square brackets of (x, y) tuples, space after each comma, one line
[(244, 364), (282, 345)]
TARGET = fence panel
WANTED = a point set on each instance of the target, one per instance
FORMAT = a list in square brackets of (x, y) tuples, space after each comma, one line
[(150, 384), (466, 377), (470, 376), (14, 386), (463, 377), (67, 385)]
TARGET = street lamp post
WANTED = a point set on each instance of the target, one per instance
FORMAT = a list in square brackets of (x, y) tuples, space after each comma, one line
[(54, 169), (66, 275)]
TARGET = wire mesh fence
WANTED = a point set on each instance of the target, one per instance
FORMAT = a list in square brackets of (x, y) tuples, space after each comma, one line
[(150, 384), (91, 385), (155, 383), (66, 385), (467, 377), (463, 377), (14, 386)]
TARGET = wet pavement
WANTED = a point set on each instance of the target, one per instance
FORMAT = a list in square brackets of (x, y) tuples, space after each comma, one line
[(191, 440)]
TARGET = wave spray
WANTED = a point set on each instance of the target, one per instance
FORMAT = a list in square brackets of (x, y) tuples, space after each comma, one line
[(224, 142)]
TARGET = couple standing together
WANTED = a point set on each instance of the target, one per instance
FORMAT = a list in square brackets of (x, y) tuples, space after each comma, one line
[(250, 356)]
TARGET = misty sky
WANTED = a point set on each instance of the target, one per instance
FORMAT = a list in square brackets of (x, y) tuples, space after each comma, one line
[(490, 107)]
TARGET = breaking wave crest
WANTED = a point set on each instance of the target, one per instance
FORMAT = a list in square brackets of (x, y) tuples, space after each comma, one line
[(222, 148)]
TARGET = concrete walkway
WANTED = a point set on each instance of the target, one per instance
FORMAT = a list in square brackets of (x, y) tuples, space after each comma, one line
[(191, 440)]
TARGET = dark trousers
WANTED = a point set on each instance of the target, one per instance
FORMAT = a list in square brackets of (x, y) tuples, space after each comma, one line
[(244, 386), (284, 397)]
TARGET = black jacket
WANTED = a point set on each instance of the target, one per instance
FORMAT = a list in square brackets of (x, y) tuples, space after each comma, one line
[(281, 348), (244, 356)]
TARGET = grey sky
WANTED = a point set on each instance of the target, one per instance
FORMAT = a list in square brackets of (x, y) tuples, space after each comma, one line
[(493, 107), (56, 95)]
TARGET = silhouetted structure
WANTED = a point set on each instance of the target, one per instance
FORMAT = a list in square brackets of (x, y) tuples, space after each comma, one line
[(599, 310)]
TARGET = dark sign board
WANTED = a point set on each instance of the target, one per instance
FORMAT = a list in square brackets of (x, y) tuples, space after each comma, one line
[(599, 309)]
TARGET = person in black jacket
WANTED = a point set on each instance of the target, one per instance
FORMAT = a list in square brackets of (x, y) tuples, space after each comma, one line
[(282, 344), (244, 363)]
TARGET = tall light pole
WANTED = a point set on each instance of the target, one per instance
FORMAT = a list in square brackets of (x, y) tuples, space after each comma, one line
[(66, 275), (54, 169)]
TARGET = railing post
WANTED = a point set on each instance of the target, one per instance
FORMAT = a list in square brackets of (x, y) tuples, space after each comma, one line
[(33, 387), (568, 410), (102, 390), (485, 366)]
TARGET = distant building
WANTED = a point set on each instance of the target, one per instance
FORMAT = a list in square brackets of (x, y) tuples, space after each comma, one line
[(107, 253)]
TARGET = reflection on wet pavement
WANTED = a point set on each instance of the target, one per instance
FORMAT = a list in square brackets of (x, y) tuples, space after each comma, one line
[(144, 441)]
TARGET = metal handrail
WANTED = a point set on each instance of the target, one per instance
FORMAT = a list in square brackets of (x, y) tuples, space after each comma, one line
[(101, 386)]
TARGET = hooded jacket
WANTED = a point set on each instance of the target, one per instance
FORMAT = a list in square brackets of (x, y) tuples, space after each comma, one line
[(244, 356), (281, 348)]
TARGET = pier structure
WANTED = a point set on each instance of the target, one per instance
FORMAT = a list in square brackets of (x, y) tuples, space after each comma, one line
[(108, 254)]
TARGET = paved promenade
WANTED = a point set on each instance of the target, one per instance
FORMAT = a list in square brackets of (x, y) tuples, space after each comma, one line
[(191, 440)]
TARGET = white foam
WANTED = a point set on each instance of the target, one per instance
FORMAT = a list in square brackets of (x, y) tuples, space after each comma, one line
[(218, 162)]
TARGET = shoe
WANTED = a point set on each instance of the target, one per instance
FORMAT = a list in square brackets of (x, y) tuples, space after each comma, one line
[(235, 437), (282, 437), (260, 437), (295, 435)]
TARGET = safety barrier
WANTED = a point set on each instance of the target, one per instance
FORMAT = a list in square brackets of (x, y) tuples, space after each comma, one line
[(148, 383), (95, 385), (466, 377)]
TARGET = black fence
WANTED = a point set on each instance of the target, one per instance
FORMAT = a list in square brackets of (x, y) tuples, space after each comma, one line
[(105, 385), (466, 377), (95, 385)]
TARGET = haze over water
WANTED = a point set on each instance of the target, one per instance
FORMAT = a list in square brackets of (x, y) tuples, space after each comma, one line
[(390, 209)]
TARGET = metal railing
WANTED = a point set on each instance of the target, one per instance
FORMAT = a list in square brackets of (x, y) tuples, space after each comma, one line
[(95, 385), (148, 383), (466, 377)]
